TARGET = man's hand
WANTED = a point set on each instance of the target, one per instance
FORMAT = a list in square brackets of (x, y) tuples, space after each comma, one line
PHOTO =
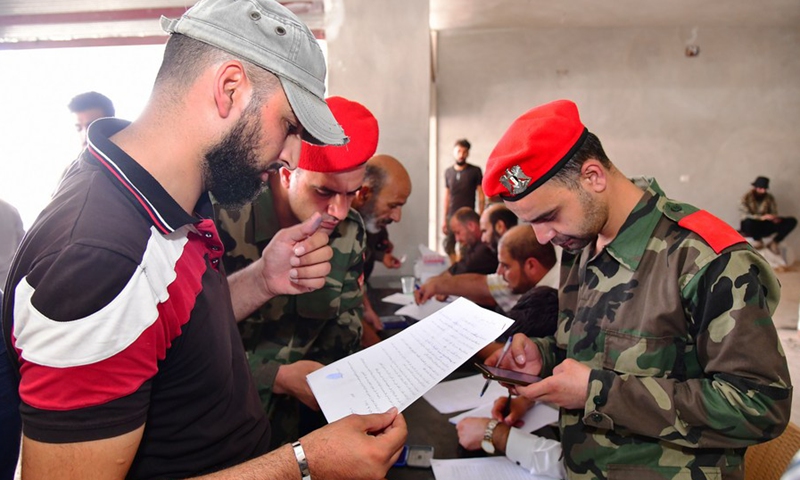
[(567, 387), (356, 447), (291, 380), (390, 261), (470, 432), (523, 356), (297, 259), (519, 406), (426, 290), (371, 317)]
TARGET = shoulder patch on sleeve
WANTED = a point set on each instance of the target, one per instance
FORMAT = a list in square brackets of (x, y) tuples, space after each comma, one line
[(718, 234)]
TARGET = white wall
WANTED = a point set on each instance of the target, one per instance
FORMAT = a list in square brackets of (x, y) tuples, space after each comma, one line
[(720, 119), (380, 56)]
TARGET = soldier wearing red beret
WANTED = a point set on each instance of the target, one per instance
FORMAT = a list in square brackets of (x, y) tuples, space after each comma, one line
[(292, 335), (666, 363)]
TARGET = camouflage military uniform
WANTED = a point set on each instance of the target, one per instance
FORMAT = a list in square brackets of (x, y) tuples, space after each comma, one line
[(687, 367), (324, 325)]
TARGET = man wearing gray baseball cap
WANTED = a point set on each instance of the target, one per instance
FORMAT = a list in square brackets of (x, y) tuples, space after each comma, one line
[(121, 319)]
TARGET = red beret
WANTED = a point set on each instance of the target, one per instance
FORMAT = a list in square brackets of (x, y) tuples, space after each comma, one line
[(533, 149), (358, 124)]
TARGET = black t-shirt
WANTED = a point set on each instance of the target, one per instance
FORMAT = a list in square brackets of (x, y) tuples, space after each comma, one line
[(535, 314), (480, 258), (122, 317), (462, 185)]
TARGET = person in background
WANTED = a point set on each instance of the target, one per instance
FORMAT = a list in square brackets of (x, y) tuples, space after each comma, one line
[(291, 336), (462, 184), (380, 202), (489, 290), (141, 373), (476, 256), (665, 362), (86, 108), (759, 212), (523, 264), (495, 221), (10, 237)]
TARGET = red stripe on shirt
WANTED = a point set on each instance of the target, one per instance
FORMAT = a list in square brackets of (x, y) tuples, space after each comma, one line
[(51, 388)]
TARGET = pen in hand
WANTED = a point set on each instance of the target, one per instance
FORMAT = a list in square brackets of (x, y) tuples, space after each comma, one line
[(499, 360)]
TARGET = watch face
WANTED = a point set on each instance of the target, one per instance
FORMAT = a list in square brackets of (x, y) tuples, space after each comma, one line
[(487, 445)]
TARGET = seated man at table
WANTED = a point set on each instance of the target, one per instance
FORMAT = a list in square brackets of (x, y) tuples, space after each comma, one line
[(476, 256), (522, 263), (292, 336), (493, 289)]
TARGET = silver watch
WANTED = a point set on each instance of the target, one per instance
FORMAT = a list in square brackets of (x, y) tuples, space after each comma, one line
[(486, 444)]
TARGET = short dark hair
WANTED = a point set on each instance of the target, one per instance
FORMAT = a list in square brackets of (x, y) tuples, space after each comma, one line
[(569, 174), (185, 58), (466, 215), (91, 100), (502, 212), (375, 178), (463, 142), (521, 244)]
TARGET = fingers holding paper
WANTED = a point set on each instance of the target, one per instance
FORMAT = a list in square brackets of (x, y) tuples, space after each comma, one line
[(373, 444)]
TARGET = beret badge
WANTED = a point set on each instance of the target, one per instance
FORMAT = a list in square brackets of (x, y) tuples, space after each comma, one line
[(515, 180)]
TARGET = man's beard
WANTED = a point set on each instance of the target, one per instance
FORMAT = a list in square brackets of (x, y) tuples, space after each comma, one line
[(594, 216), (231, 172), (759, 196), (461, 162), (368, 214)]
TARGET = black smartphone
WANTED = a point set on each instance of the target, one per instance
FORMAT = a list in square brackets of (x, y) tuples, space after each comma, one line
[(506, 376)]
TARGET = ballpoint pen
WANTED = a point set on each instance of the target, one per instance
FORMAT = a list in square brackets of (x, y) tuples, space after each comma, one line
[(502, 355)]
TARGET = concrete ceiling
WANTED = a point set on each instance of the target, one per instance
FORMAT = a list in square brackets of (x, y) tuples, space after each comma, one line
[(493, 14), (49, 23)]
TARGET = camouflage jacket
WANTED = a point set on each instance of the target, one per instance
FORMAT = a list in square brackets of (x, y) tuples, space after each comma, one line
[(687, 367), (324, 325), (751, 207)]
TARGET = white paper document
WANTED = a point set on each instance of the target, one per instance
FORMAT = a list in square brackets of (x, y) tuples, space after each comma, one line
[(537, 417), (421, 311), (398, 370), (399, 298), (463, 394), (481, 469)]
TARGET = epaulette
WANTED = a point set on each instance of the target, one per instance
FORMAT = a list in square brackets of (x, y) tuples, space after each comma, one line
[(718, 234)]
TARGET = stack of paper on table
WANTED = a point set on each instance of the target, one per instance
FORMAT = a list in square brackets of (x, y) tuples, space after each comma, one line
[(463, 394), (481, 469), (540, 415), (399, 298), (421, 311), (398, 370)]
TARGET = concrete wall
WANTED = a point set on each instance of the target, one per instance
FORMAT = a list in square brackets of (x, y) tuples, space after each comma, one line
[(704, 126), (380, 55)]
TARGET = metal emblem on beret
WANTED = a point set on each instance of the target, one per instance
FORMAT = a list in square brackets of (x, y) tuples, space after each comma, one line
[(515, 180)]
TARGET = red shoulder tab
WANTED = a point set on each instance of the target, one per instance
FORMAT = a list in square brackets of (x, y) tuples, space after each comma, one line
[(718, 234)]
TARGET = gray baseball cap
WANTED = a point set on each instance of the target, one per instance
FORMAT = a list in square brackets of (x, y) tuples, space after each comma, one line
[(269, 35)]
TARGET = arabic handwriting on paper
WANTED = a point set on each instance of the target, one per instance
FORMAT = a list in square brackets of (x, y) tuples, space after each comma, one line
[(399, 370)]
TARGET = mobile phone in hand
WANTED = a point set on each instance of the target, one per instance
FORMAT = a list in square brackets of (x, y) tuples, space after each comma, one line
[(507, 376)]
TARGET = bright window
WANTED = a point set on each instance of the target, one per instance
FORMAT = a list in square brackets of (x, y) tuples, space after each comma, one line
[(38, 138)]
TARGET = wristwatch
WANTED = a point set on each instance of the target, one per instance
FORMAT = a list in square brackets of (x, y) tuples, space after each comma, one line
[(487, 445)]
